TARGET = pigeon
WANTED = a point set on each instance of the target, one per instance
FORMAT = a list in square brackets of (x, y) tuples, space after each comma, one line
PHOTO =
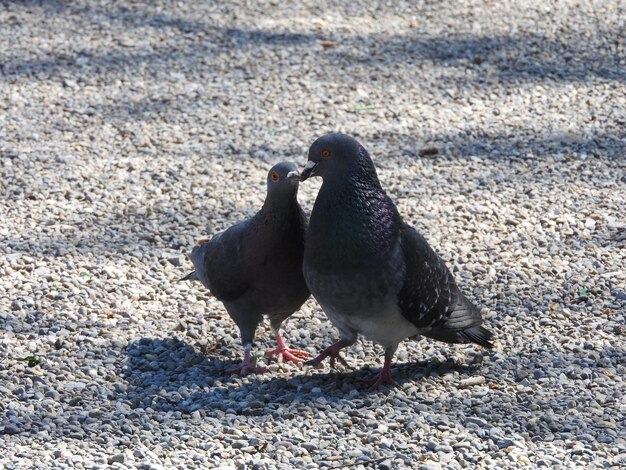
[(255, 267), (372, 274)]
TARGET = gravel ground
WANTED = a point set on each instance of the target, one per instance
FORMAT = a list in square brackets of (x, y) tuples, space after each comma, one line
[(130, 129)]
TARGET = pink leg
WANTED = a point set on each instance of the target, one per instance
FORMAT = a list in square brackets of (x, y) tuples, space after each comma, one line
[(385, 374), (332, 351), (284, 353), (247, 366)]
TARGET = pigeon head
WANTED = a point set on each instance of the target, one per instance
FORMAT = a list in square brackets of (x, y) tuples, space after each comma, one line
[(334, 154), (283, 178)]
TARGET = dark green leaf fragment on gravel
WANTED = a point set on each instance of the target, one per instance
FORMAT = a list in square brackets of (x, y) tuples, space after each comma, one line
[(31, 360)]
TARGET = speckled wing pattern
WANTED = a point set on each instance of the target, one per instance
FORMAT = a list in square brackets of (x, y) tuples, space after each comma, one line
[(430, 298), (429, 288)]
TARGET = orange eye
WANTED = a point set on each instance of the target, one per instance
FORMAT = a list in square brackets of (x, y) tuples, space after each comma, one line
[(325, 153), (274, 176)]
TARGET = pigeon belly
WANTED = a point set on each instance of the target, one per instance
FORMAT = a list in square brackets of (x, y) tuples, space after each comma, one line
[(385, 326), (363, 302)]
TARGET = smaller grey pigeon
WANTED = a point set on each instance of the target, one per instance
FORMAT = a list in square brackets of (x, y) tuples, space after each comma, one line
[(373, 274), (255, 266)]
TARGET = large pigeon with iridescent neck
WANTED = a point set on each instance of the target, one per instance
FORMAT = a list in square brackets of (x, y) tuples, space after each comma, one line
[(255, 266), (373, 274)]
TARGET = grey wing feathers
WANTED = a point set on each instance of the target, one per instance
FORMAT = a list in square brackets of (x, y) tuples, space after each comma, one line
[(219, 264), (464, 313), (428, 287), (462, 326), (431, 299)]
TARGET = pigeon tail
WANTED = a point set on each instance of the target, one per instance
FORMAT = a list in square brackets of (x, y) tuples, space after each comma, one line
[(475, 334), (192, 276), (462, 326), (479, 335)]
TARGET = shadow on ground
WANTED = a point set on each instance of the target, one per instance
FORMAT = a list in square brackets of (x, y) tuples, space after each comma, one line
[(172, 375), (158, 369), (154, 377), (506, 58)]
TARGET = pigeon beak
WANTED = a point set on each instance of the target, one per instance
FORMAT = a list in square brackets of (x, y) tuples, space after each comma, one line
[(293, 175), (308, 170)]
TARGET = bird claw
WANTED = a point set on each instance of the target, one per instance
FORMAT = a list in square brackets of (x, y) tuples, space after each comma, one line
[(331, 351), (384, 378), (247, 367), (285, 354)]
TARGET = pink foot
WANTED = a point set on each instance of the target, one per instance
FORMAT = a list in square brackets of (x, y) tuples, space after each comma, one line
[(284, 353), (248, 366), (384, 378), (331, 351)]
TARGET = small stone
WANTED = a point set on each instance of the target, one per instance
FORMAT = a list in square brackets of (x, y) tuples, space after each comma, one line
[(477, 421), (62, 455), (118, 458), (430, 465), (385, 465), (239, 444), (176, 261), (503, 443), (472, 381), (11, 429), (152, 466)]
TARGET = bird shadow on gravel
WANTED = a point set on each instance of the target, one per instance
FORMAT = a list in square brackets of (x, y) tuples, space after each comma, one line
[(531, 388), (171, 374)]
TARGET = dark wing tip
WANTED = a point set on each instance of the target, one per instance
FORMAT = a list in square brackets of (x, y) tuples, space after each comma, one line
[(479, 335), (192, 276)]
